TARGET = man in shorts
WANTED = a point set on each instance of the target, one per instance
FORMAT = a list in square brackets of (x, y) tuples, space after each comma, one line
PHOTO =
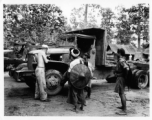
[(120, 82)]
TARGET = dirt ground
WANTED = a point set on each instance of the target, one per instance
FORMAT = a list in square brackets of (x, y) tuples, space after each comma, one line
[(19, 101)]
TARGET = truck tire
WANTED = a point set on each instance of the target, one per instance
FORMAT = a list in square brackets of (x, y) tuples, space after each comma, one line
[(53, 79), (141, 79), (148, 78), (133, 84)]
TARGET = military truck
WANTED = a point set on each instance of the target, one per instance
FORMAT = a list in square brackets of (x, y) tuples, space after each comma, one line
[(104, 69), (91, 41)]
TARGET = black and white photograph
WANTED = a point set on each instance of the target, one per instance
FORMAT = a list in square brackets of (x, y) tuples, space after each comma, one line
[(67, 58)]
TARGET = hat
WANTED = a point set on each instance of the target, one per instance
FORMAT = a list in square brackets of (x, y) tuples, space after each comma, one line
[(44, 46), (121, 52), (74, 52)]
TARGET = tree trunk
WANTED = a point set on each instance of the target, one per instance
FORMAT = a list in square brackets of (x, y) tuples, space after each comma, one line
[(139, 41), (85, 14)]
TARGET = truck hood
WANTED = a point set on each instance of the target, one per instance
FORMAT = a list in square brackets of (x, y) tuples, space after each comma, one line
[(53, 51)]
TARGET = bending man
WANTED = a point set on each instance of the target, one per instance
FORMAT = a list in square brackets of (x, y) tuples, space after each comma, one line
[(40, 86)]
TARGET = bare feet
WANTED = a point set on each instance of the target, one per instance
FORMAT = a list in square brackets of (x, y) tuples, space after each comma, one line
[(75, 110), (47, 100), (123, 112)]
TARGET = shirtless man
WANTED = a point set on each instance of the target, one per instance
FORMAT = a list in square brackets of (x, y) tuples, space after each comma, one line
[(40, 86)]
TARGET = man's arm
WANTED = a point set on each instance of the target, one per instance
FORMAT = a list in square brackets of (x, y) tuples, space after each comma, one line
[(125, 66), (44, 57)]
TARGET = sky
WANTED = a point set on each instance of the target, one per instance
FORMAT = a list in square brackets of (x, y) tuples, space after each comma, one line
[(67, 9), (68, 5)]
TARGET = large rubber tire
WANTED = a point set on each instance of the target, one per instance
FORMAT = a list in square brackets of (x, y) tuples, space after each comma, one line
[(148, 78), (133, 84), (141, 79), (53, 79)]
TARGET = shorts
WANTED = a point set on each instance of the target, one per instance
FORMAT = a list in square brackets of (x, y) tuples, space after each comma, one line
[(120, 85)]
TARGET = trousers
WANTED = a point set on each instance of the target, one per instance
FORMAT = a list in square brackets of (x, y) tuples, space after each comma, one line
[(40, 86)]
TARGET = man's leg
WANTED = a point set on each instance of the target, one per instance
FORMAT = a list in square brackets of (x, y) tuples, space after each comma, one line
[(123, 101), (81, 98), (88, 89), (81, 108), (37, 93), (42, 85), (76, 107)]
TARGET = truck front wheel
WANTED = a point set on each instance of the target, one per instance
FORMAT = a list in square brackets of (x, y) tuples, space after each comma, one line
[(53, 79)]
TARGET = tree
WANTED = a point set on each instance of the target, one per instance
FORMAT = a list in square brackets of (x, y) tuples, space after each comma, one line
[(107, 17), (83, 17), (123, 26), (33, 22), (139, 19)]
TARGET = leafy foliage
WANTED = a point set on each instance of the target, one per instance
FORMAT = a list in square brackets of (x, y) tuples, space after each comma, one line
[(134, 20), (123, 26), (78, 15), (107, 21), (41, 23), (139, 19), (32, 22)]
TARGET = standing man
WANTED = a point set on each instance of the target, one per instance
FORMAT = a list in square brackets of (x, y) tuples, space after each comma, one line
[(120, 82), (40, 86), (75, 96), (85, 57)]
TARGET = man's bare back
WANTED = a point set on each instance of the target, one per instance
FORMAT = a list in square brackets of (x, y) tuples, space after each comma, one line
[(40, 58)]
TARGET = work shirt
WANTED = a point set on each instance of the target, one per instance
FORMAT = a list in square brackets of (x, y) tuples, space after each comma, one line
[(121, 64), (75, 62), (78, 61)]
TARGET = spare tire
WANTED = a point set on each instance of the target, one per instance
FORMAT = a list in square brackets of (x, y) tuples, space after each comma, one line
[(141, 79), (53, 79)]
